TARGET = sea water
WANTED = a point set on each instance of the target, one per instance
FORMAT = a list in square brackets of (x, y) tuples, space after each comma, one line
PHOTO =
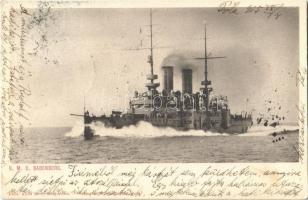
[(147, 144)]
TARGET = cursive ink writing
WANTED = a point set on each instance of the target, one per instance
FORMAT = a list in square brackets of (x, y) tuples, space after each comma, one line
[(301, 122), (154, 181), (233, 7)]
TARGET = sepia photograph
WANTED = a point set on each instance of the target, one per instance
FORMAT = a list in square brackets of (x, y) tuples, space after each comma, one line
[(158, 85), (153, 100)]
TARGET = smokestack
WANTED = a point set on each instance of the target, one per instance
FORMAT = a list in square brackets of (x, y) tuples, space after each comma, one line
[(168, 78), (187, 81)]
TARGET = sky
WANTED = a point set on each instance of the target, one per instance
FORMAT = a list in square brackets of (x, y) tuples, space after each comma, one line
[(86, 55)]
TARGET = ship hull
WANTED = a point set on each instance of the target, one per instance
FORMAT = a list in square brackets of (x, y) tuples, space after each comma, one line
[(182, 121)]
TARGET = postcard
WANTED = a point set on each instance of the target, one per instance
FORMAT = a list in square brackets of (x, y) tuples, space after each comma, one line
[(143, 99)]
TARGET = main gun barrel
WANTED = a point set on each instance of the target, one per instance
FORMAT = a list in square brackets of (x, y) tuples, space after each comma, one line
[(77, 115)]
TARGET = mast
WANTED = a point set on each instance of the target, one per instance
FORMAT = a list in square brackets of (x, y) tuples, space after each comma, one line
[(206, 82), (151, 76), (206, 89), (151, 35), (205, 55), (84, 104), (151, 86)]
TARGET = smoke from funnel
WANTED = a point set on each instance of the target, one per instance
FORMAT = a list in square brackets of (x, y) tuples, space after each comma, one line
[(178, 60), (183, 66)]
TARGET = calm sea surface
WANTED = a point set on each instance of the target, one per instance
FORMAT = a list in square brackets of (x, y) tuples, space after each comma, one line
[(53, 145)]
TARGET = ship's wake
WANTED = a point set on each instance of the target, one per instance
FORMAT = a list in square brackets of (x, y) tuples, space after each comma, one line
[(147, 130), (268, 130)]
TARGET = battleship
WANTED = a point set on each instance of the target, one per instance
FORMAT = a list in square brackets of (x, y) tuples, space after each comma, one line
[(182, 110)]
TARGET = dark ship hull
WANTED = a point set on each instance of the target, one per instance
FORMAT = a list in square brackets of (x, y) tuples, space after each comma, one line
[(217, 122)]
